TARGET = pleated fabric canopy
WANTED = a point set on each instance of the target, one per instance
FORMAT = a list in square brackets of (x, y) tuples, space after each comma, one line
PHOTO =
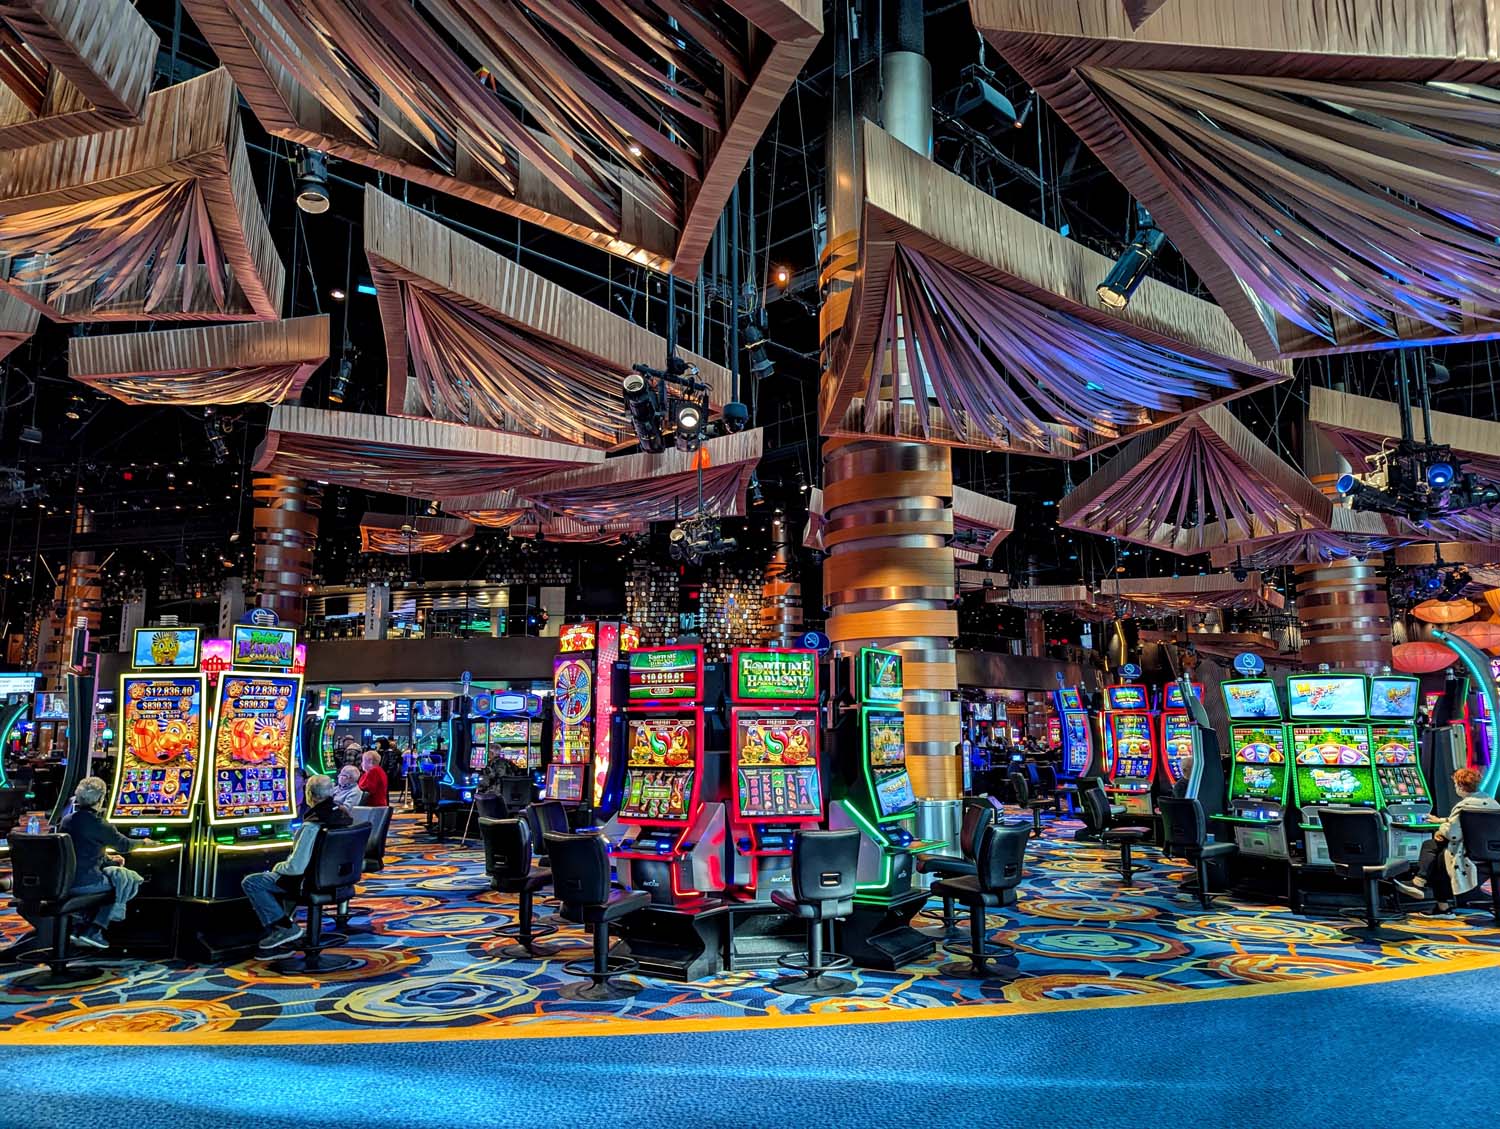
[(980, 524), (399, 534)]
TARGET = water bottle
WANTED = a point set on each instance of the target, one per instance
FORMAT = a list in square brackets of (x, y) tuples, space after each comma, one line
[(33, 825)]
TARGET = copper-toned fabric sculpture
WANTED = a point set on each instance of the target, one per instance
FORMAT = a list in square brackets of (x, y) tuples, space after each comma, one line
[(250, 363), (980, 524), (158, 221), (1166, 595), (947, 281), (71, 67), (18, 322), (399, 534), (472, 337), (1326, 168), (623, 124)]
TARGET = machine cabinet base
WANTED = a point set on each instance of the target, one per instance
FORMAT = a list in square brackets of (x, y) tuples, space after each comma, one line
[(879, 934), (672, 945), (759, 933)]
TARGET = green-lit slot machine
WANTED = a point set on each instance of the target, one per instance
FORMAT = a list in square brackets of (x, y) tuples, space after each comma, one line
[(872, 792), (1394, 747), (159, 769), (1258, 778), (1330, 751)]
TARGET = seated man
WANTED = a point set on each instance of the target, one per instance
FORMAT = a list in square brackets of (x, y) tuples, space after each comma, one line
[(272, 893), (100, 867), (348, 793), (373, 781)]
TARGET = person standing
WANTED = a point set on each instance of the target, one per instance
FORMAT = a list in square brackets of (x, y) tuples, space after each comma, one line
[(373, 781)]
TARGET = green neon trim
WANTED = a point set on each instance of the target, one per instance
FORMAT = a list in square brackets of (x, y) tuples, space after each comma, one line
[(5, 730), (1478, 666), (879, 837)]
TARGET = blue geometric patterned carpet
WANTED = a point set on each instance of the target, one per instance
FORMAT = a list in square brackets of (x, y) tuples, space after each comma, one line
[(432, 962)]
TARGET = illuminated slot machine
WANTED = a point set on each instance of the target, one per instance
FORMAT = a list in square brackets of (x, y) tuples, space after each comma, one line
[(16, 692), (1258, 778), (159, 770), (499, 726), (1075, 735), (873, 793), (1330, 751), (582, 768), (326, 736), (1054, 731), (1175, 738), (1130, 744), (776, 778), (1404, 794)]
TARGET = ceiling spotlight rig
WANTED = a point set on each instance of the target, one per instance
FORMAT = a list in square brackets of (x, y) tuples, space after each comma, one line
[(673, 401), (1130, 268), (695, 538), (1437, 581)]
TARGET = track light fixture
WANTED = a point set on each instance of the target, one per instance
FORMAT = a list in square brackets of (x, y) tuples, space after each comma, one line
[(697, 537), (640, 402), (340, 386), (312, 182), (1130, 268), (672, 397), (688, 415)]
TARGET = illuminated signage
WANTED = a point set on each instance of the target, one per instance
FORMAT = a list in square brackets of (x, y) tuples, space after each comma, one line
[(270, 647)]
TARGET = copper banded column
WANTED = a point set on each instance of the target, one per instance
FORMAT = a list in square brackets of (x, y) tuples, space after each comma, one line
[(780, 595), (286, 533), (1344, 607), (888, 581)]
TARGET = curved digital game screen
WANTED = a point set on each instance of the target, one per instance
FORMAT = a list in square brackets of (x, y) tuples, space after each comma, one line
[(1132, 746), (1176, 740), (1069, 700), (1325, 695), (660, 761), (1076, 741), (885, 738), (253, 739), (1393, 697), (161, 745), (893, 792), (1253, 700)]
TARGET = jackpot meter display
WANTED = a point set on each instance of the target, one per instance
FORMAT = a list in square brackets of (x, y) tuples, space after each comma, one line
[(161, 746)]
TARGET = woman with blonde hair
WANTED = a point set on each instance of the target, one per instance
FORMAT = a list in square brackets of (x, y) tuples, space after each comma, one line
[(1444, 869)]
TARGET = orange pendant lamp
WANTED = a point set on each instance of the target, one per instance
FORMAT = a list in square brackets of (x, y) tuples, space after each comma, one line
[(1421, 658), (1444, 611), (1483, 633)]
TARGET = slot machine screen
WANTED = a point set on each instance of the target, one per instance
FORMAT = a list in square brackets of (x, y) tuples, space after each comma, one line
[(509, 732), (1077, 744), (881, 677), (1177, 738), (478, 733), (1069, 700), (1128, 697), (1256, 745), (893, 792), (1393, 744), (253, 738), (1174, 695), (1253, 700), (885, 738), (1325, 695), (479, 756), (1335, 784), (156, 648), (1332, 765), (1259, 781), (1393, 698), (1331, 744), (161, 726), (565, 783), (777, 766), (661, 760)]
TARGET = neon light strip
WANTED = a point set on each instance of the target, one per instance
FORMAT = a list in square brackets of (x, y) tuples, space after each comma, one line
[(5, 730), (1478, 664)]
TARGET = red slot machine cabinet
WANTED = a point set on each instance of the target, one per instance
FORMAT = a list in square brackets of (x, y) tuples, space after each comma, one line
[(583, 769), (1175, 737), (776, 783), (671, 814), (1130, 746)]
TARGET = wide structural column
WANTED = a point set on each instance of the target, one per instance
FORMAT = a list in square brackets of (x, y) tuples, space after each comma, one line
[(781, 594), (888, 581), (286, 533)]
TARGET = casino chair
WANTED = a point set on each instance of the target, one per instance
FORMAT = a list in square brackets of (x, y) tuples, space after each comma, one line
[(379, 819), (546, 816), (1094, 809), (1185, 835), (824, 865), (491, 805), (1020, 789), (1096, 815), (1047, 787), (999, 867), (434, 808), (337, 860), (977, 818), (1481, 832), (42, 869), (580, 878), (507, 860), (1357, 841), (12, 800)]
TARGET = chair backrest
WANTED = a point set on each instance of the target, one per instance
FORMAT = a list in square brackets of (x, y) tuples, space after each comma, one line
[(1356, 836), (1481, 831), (428, 790), (491, 805), (1093, 806), (338, 858), (1183, 823), (379, 819), (507, 848), (1002, 855), (42, 866), (1020, 789), (580, 867), (11, 800), (824, 865), (977, 817), (1046, 778), (552, 816)]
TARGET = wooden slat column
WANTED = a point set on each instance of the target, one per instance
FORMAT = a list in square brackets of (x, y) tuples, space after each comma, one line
[(1345, 612), (888, 581), (286, 533), (781, 594)]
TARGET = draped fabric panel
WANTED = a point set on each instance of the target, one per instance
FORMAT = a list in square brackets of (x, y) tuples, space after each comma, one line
[(399, 534)]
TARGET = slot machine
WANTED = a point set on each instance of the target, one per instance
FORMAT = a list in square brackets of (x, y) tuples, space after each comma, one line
[(1402, 788), (1080, 756), (1130, 746), (251, 763), (326, 735), (1258, 778), (497, 725), (873, 793), (1330, 751), (583, 769), (16, 692), (159, 770), (775, 774), (1175, 736)]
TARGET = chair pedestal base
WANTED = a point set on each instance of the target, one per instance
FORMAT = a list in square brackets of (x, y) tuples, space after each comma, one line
[(313, 958), (526, 938), (813, 968), (948, 915), (599, 972)]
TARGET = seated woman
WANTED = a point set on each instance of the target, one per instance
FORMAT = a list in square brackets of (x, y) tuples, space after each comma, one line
[(100, 867), (1443, 869), (348, 793)]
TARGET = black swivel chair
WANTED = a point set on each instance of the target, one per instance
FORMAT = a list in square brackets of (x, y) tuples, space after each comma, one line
[(1046, 786), (999, 868), (1096, 814), (507, 860), (379, 820), (337, 861), (1481, 832), (1185, 835), (43, 868), (546, 816), (1357, 841), (435, 808), (977, 818), (1021, 793), (580, 878), (824, 866), (491, 805), (11, 802)]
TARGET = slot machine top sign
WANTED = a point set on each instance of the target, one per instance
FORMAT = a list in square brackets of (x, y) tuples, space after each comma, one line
[(775, 675), (270, 648), (880, 677), (666, 674), (164, 648)]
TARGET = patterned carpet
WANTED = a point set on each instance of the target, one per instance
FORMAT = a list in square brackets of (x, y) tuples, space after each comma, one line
[(432, 961)]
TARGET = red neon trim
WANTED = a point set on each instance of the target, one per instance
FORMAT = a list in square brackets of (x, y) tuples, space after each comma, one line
[(694, 801), (739, 818)]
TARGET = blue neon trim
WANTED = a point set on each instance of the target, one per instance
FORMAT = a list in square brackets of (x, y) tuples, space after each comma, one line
[(1478, 664)]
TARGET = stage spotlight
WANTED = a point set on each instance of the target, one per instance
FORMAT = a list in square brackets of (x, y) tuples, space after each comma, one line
[(340, 386), (736, 416), (432, 508), (1437, 374), (757, 495), (1129, 270), (782, 277), (981, 104), (337, 294), (217, 448), (688, 416), (762, 366), (1440, 475), (644, 416), (312, 182)]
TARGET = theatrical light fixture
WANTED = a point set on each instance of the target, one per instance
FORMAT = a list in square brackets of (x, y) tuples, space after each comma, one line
[(1423, 481), (1440, 475), (1129, 270), (697, 537), (757, 496), (688, 416), (782, 277), (640, 402), (312, 182), (337, 294), (340, 386), (736, 416), (980, 104), (217, 448)]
